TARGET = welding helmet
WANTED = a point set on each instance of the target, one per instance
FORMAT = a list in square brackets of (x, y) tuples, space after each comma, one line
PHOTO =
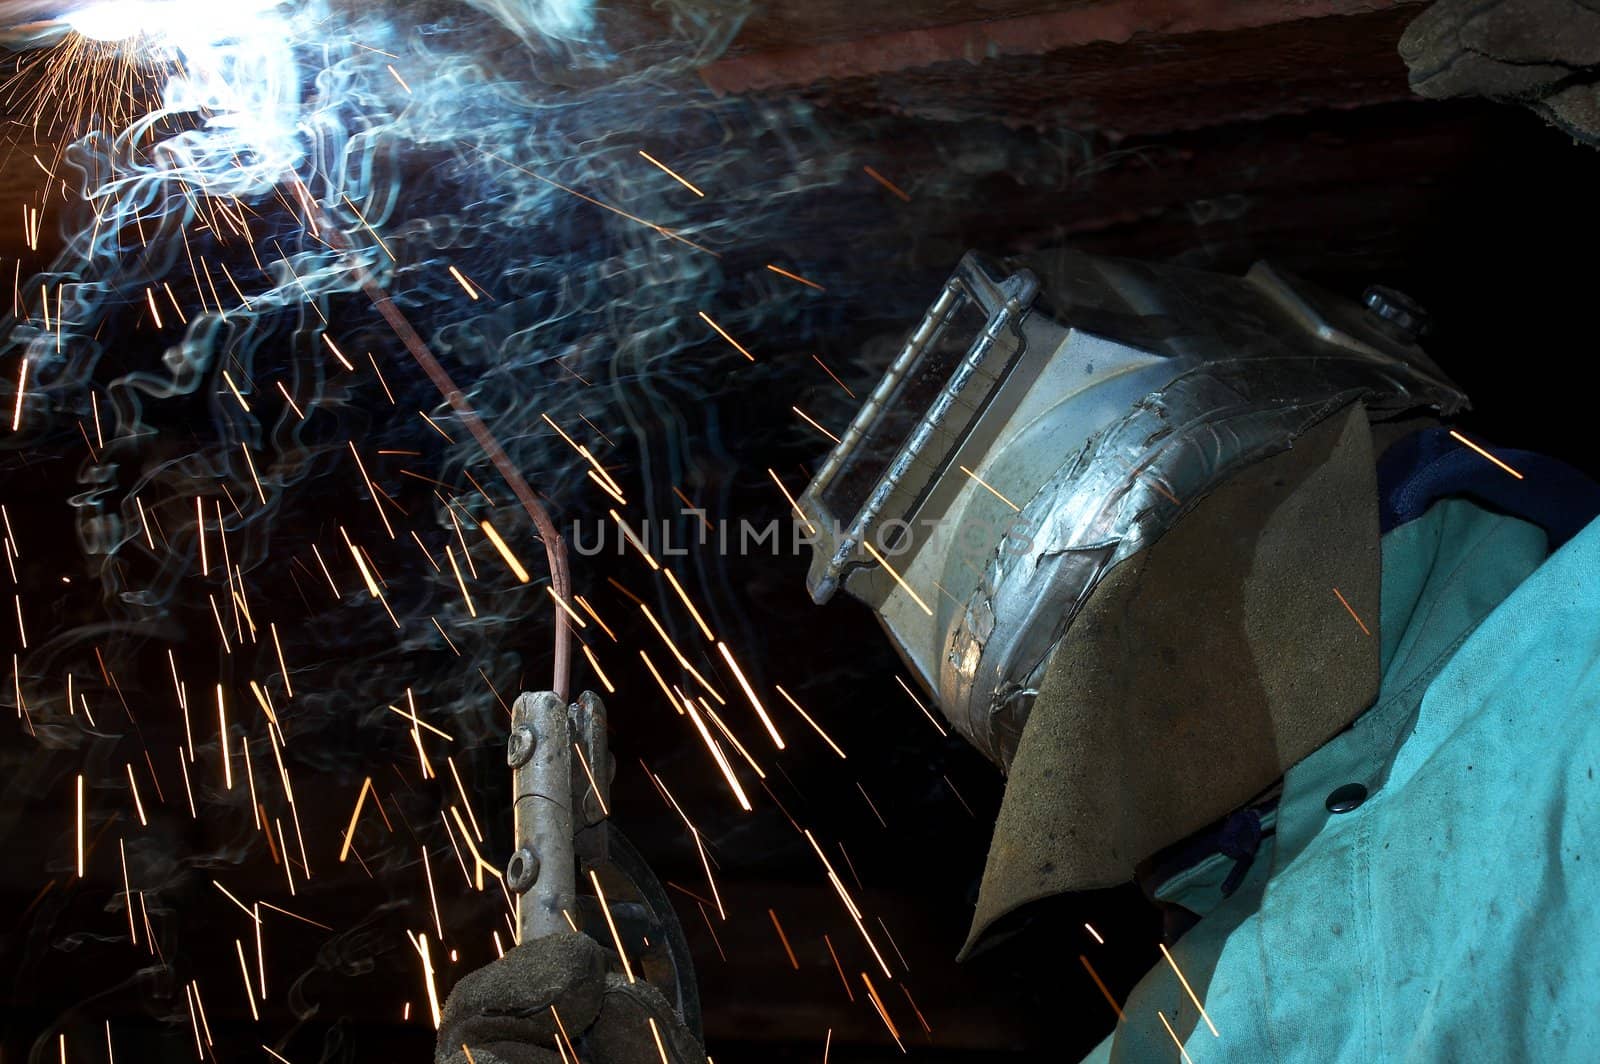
[(1053, 416)]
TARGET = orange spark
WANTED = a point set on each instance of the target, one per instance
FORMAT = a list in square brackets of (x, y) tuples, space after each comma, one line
[(784, 939), (750, 693), (795, 277), (886, 183), (371, 491), (350, 832), (461, 279), (656, 1034), (813, 423), (830, 373), (598, 671), (883, 1013), (627, 968), (881, 560), (718, 756), (222, 726), (815, 726), (627, 533), (991, 489), (664, 168), (1178, 1041), (1189, 990), (1352, 612), (568, 610), (505, 552), (80, 825), (684, 595), (931, 719), (1101, 984), (22, 383), (724, 334), (1462, 439), (451, 557), (345, 362)]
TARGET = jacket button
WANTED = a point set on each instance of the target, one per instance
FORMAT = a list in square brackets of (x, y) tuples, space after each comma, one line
[(1343, 799)]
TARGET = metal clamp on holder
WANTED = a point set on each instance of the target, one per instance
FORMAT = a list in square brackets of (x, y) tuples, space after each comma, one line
[(561, 768), (561, 775)]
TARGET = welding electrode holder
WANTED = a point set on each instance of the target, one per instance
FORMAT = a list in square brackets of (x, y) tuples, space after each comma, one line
[(559, 805)]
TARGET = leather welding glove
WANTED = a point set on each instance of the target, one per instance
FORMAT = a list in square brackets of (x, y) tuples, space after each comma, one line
[(1544, 54), (502, 1013)]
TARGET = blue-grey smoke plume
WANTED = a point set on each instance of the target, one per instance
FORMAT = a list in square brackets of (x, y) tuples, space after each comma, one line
[(205, 334)]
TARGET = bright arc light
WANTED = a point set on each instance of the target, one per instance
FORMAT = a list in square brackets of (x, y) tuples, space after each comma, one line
[(179, 21), (111, 20), (231, 62)]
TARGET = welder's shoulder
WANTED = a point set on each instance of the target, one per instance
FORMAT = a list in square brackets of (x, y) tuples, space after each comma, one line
[(1509, 730), (1481, 863)]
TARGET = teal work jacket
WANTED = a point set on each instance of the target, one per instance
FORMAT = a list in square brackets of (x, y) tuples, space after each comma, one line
[(1454, 914)]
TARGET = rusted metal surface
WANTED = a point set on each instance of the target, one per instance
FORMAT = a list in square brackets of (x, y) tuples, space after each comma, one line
[(1153, 83), (868, 52)]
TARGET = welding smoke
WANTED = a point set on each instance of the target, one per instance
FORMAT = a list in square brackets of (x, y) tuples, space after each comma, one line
[(479, 163), (192, 319)]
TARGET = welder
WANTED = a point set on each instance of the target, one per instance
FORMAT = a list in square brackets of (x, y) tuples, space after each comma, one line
[(1201, 565)]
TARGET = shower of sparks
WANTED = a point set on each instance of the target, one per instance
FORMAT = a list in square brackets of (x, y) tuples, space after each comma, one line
[(669, 234), (85, 84)]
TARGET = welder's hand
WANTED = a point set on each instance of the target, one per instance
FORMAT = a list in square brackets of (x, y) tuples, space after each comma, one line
[(502, 1013), (1542, 53)]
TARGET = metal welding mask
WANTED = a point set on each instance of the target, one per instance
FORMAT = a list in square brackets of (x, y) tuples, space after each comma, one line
[(1046, 424)]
